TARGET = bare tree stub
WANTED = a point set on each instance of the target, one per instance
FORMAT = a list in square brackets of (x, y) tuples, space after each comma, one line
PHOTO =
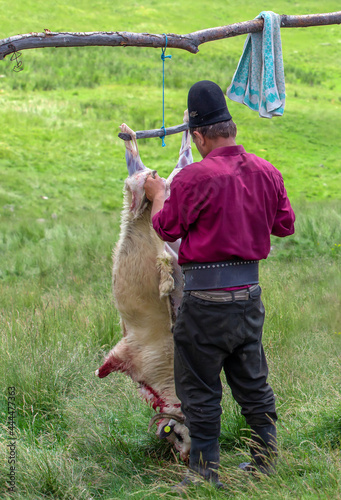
[(189, 42)]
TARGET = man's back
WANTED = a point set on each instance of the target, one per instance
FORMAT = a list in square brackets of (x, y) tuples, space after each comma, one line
[(226, 207)]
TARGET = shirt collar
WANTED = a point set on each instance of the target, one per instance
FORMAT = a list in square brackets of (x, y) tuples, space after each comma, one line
[(226, 151)]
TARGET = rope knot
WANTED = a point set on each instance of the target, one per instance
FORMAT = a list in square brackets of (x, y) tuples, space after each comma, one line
[(163, 57), (162, 137)]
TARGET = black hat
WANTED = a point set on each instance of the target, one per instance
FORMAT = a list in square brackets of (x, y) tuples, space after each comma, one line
[(206, 104)]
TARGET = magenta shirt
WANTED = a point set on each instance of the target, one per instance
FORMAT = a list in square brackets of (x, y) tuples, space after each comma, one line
[(224, 207)]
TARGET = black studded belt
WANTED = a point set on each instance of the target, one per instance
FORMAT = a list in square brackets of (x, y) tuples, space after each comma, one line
[(215, 275)]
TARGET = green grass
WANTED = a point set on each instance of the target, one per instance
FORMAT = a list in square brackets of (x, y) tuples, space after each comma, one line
[(80, 437), (62, 171)]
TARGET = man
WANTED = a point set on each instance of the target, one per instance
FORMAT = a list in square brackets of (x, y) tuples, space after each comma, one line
[(224, 208)]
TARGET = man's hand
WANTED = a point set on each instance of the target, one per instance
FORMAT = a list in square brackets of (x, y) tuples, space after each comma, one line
[(154, 187), (156, 192)]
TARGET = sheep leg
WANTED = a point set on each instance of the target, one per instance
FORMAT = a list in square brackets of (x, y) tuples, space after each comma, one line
[(115, 363)]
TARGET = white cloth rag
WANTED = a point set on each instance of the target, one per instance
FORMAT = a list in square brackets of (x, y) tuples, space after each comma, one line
[(259, 79)]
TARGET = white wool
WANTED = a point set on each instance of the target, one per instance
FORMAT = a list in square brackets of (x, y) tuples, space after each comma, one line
[(147, 288)]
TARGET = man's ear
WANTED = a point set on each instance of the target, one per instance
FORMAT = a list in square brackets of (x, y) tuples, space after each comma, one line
[(198, 138)]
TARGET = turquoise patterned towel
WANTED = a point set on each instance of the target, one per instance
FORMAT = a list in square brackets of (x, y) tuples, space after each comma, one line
[(259, 79)]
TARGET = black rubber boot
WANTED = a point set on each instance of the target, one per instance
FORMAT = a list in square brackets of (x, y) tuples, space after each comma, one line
[(204, 461), (263, 450)]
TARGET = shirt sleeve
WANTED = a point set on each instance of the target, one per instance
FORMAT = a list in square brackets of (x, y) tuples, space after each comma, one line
[(180, 210), (285, 217)]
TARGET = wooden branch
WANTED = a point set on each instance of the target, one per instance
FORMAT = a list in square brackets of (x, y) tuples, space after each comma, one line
[(189, 42), (156, 132)]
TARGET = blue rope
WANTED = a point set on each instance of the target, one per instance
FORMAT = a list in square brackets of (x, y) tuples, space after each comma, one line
[(163, 57)]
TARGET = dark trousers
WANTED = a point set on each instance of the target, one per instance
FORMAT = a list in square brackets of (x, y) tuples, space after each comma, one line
[(209, 337)]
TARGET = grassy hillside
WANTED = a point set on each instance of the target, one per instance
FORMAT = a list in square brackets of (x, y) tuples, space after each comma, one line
[(62, 171), (59, 117)]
